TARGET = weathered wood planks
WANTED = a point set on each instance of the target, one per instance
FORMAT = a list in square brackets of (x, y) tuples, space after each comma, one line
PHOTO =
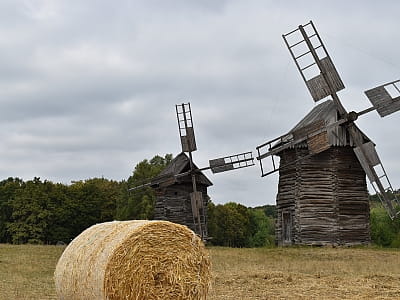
[(325, 197), (173, 204)]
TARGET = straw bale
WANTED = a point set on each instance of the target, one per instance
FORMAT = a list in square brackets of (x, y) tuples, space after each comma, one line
[(134, 260)]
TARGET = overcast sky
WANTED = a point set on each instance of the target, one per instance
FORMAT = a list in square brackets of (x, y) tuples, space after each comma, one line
[(88, 88)]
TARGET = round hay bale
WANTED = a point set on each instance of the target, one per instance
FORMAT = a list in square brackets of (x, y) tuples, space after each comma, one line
[(134, 260)]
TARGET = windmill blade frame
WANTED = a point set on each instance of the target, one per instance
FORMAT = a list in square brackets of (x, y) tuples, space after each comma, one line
[(385, 98), (185, 126), (188, 141), (311, 60), (232, 162), (371, 163)]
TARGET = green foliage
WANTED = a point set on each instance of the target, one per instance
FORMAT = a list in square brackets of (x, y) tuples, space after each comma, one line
[(269, 210), (43, 212), (139, 204), (263, 233), (30, 214), (8, 189), (235, 225), (396, 241), (232, 223), (89, 202), (384, 231)]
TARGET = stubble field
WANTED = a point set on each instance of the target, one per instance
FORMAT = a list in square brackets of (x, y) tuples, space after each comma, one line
[(26, 272)]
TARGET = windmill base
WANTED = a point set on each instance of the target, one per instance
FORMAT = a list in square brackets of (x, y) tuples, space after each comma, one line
[(322, 200)]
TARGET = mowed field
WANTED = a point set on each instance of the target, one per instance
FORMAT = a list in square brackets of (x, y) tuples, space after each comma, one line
[(26, 272)]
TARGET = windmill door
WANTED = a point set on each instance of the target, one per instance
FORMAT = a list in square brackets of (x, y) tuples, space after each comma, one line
[(287, 227)]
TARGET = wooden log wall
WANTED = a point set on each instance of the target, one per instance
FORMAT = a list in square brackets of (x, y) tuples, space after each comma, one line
[(324, 199), (286, 197), (173, 204), (352, 193)]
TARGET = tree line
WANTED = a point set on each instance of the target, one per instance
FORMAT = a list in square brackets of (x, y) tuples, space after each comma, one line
[(43, 212), (384, 231)]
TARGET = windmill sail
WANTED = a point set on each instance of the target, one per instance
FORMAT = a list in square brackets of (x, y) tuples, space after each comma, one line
[(188, 141), (385, 98), (232, 162), (185, 125), (370, 162), (313, 61)]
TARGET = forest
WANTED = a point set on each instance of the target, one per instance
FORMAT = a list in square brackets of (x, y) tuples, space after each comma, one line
[(42, 212)]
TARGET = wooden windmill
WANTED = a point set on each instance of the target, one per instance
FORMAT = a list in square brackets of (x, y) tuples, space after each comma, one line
[(181, 187), (322, 193)]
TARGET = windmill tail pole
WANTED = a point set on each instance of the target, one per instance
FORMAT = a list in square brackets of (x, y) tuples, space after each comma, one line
[(139, 187)]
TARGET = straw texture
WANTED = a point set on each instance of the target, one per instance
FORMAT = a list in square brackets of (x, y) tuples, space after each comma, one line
[(134, 260)]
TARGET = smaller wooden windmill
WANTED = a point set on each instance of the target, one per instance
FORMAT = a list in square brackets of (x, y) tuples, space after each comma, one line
[(322, 193), (181, 188)]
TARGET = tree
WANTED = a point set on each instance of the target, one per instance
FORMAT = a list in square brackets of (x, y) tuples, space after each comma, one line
[(235, 225), (228, 225), (384, 231), (63, 213), (30, 214), (8, 189), (139, 204), (91, 201), (263, 229)]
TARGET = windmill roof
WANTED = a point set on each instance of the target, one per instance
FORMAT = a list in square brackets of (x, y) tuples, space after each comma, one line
[(328, 114), (179, 165), (325, 111)]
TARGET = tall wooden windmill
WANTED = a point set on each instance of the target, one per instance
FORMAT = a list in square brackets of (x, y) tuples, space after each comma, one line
[(181, 187), (322, 193)]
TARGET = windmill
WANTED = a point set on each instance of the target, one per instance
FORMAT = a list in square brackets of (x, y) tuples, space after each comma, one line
[(181, 186), (322, 194)]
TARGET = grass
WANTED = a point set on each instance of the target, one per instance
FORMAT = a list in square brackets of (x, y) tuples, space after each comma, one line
[(306, 273), (26, 272)]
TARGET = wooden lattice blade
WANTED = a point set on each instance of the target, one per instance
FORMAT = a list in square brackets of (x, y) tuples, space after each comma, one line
[(185, 126), (188, 141), (232, 162), (370, 162), (313, 61), (385, 98)]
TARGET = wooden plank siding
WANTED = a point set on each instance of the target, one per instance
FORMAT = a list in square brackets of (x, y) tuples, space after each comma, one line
[(173, 201), (173, 204), (326, 196)]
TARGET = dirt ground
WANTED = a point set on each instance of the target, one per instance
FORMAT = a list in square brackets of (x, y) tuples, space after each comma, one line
[(305, 273), (26, 272)]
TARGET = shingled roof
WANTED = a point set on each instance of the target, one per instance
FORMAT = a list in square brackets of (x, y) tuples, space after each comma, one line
[(181, 164), (328, 113)]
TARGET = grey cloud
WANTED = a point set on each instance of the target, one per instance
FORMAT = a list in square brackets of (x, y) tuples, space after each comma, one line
[(88, 88)]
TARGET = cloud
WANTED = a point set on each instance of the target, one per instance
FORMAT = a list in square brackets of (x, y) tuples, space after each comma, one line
[(88, 88)]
